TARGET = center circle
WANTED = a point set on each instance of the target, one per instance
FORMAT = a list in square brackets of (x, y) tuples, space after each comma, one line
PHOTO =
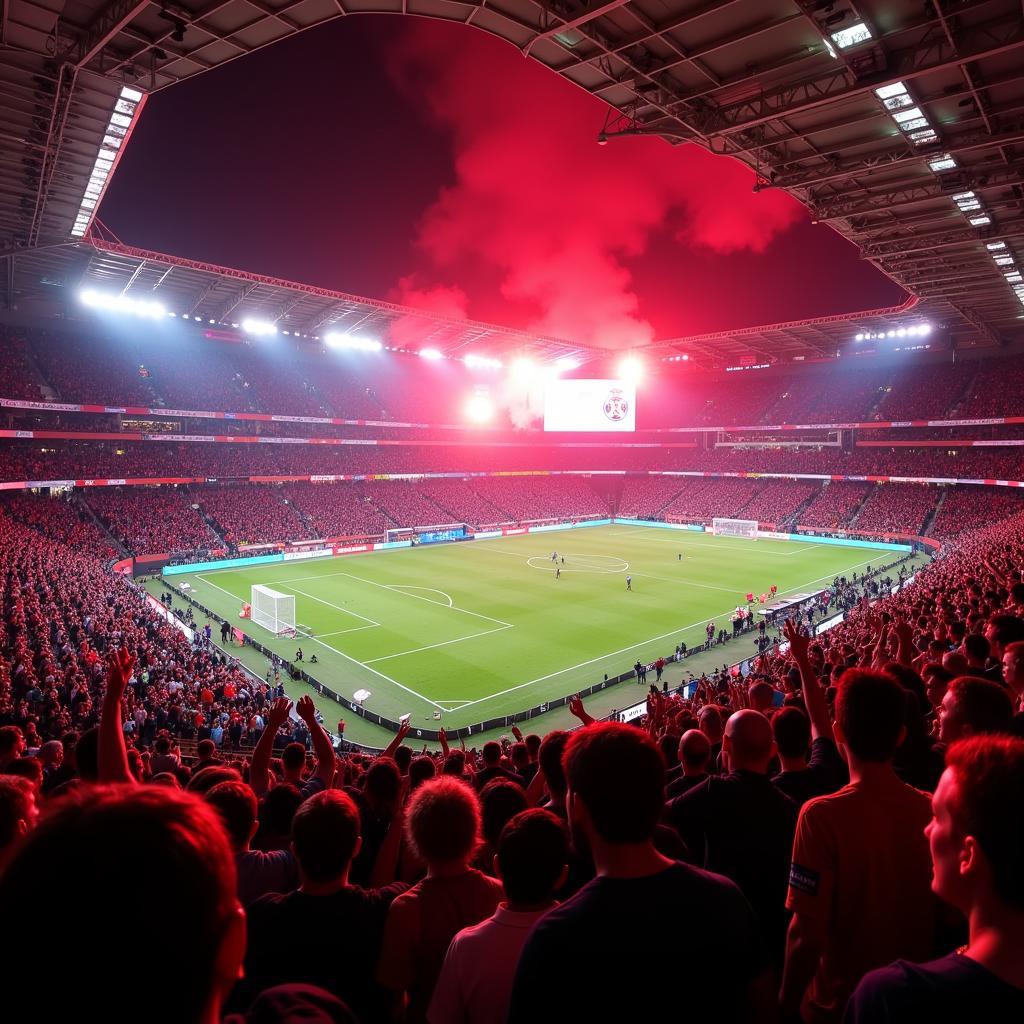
[(601, 564)]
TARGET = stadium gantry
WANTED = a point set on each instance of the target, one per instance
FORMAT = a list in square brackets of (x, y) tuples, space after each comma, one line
[(896, 124)]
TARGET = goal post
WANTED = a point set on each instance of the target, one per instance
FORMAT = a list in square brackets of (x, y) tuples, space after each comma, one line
[(273, 610), (735, 528)]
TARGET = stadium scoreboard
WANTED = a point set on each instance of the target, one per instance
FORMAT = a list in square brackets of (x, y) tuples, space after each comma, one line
[(590, 405)]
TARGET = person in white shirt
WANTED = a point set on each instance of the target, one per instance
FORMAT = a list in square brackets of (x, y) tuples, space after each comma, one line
[(476, 979)]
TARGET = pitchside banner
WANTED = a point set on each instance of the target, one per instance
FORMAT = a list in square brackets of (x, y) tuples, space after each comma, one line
[(589, 405)]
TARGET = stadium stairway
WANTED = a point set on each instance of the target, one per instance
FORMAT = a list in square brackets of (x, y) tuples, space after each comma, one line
[(789, 522), (115, 542), (930, 518), (210, 521), (852, 521), (46, 390)]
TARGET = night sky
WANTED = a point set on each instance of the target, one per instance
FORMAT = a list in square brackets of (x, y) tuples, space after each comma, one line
[(434, 165)]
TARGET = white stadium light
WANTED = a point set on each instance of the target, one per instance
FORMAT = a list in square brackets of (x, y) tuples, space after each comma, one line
[(887, 91), (339, 339), (431, 354), (475, 362), (258, 328), (122, 304), (566, 363), (980, 221), (523, 368), (479, 408), (851, 36), (632, 369)]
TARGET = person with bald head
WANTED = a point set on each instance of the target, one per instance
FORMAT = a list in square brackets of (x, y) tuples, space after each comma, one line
[(694, 757), (710, 722), (744, 824)]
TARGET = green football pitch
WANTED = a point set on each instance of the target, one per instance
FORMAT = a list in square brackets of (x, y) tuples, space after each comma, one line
[(482, 629)]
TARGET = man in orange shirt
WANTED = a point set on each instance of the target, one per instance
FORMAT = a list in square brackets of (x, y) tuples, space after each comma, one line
[(860, 882)]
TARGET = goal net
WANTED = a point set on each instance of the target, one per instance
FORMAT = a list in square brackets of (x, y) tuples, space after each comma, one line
[(273, 610), (734, 528)]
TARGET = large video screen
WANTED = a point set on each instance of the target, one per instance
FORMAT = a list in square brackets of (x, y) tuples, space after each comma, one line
[(589, 405)]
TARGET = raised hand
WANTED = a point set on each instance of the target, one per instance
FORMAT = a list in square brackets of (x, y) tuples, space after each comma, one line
[(517, 732), (576, 706), (306, 710), (798, 642), (278, 713), (119, 670)]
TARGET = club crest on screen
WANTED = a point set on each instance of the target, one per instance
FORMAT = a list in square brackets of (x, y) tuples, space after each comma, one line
[(616, 406)]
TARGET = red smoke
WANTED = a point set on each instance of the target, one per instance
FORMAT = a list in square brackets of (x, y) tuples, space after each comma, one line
[(553, 217)]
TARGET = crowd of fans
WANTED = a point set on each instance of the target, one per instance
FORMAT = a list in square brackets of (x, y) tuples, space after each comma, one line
[(897, 508), (166, 366), (152, 519), (836, 836), (778, 501), (251, 514), (966, 508), (835, 505), (63, 460)]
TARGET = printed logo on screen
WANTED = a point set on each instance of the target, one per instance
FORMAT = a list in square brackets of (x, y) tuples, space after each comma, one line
[(616, 406)]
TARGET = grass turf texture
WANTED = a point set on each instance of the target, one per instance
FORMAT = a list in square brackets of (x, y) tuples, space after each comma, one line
[(483, 629)]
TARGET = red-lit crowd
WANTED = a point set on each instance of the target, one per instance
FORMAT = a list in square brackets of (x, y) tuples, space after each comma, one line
[(838, 836)]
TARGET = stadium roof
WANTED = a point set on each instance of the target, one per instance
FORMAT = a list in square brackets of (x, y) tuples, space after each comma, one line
[(899, 123)]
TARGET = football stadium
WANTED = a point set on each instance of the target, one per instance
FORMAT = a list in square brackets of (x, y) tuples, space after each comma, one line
[(498, 484)]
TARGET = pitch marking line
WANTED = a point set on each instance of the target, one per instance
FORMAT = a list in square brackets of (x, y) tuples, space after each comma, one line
[(662, 636), (454, 608), (330, 604), (402, 587), (339, 632), (347, 657), (443, 643), (395, 588)]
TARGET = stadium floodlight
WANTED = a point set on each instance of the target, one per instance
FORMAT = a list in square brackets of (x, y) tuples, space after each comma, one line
[(1004, 261), (995, 246), (567, 363), (479, 408), (923, 137), (122, 304), (523, 368), (631, 369), (886, 92), (847, 37), (1014, 277), (431, 354), (898, 102), (980, 221), (475, 362), (942, 163), (339, 339), (258, 328), (910, 114), (119, 125)]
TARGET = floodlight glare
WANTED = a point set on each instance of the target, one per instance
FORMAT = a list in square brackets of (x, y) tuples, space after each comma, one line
[(259, 328), (565, 364), (851, 36), (339, 339), (430, 353), (631, 369), (523, 368), (122, 304), (479, 409), (475, 362)]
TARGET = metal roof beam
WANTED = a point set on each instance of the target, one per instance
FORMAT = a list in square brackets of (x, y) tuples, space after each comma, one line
[(945, 239), (107, 24), (931, 53), (565, 24), (929, 189)]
